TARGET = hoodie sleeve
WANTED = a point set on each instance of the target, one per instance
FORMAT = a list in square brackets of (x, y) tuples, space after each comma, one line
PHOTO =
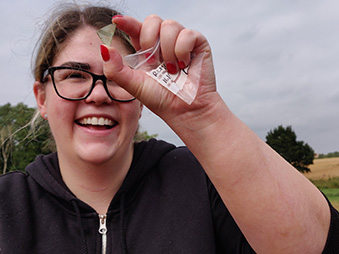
[(229, 238)]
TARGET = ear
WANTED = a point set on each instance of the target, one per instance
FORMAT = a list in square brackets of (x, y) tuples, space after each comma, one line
[(40, 97)]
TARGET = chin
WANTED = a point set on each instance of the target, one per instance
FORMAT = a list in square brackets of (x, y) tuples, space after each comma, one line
[(96, 154), (95, 158)]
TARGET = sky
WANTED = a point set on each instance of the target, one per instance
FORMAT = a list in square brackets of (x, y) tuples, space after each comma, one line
[(276, 62)]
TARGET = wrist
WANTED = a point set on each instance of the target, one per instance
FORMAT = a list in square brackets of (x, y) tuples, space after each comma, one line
[(207, 116)]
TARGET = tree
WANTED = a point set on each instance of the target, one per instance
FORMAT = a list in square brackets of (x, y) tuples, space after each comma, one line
[(19, 145), (143, 136), (6, 142), (284, 141), (329, 155)]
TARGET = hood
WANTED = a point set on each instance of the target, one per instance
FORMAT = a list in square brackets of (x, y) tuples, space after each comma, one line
[(45, 170)]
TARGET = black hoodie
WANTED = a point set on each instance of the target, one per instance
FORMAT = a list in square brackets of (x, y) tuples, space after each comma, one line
[(165, 205)]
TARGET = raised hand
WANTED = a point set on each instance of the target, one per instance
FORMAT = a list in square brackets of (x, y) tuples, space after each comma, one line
[(177, 44)]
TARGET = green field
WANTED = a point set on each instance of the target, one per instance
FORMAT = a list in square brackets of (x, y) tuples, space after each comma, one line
[(333, 196), (325, 175), (330, 187)]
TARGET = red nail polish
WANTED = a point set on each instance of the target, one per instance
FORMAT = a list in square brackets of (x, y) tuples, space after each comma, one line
[(104, 53), (117, 16), (182, 65), (171, 68)]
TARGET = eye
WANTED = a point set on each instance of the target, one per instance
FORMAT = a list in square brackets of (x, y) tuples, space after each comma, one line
[(71, 75)]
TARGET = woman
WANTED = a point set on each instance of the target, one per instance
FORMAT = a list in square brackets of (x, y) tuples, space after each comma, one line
[(102, 193)]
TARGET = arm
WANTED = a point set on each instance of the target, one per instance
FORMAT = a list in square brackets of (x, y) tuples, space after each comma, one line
[(277, 209)]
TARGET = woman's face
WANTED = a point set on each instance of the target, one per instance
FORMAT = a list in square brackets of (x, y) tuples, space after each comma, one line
[(90, 143)]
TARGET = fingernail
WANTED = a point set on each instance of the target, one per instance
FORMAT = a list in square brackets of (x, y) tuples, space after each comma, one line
[(171, 68), (182, 65), (104, 53), (117, 16)]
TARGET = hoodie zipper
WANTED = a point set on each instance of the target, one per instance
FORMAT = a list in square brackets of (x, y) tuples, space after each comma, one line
[(103, 232)]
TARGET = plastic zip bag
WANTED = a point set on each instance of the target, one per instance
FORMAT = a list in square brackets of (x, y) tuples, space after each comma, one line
[(184, 84)]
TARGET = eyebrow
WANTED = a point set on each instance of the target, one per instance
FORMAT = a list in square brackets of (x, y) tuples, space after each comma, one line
[(79, 65)]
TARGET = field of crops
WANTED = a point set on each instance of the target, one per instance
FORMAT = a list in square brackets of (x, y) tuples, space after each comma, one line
[(324, 168)]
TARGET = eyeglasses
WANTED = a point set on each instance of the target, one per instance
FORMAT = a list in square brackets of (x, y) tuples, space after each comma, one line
[(75, 84)]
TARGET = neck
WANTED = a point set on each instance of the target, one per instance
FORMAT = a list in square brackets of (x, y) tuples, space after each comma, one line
[(95, 184)]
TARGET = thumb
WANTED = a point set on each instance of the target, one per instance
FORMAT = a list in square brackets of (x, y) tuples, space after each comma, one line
[(122, 75), (136, 82)]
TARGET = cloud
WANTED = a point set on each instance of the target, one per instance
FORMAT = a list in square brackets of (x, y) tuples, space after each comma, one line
[(276, 61)]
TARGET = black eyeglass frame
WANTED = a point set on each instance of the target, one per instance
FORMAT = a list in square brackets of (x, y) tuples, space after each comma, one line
[(95, 77)]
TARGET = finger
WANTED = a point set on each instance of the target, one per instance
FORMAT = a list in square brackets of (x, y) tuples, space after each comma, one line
[(115, 70), (168, 37), (150, 31), (136, 82), (130, 26), (184, 46)]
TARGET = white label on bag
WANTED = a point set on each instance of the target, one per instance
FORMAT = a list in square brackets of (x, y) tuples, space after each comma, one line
[(173, 82)]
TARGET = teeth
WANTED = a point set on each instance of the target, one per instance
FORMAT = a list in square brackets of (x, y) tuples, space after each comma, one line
[(96, 121)]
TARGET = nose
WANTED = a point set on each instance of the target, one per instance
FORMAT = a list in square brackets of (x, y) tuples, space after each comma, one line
[(98, 94)]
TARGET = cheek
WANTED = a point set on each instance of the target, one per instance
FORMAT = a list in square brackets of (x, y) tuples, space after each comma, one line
[(131, 113), (59, 110), (54, 102), (57, 107)]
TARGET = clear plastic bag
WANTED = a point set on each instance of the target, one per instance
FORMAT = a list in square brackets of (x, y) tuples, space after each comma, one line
[(184, 84)]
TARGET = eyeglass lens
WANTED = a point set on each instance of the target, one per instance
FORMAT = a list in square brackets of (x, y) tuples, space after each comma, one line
[(77, 84)]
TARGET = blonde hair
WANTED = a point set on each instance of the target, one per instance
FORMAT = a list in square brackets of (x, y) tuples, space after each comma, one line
[(65, 20)]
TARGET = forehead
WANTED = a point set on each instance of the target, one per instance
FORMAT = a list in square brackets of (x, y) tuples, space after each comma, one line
[(84, 46)]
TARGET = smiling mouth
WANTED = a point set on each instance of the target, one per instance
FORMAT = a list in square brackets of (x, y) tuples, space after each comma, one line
[(96, 122)]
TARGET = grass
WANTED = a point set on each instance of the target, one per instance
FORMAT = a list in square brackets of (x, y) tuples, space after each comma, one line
[(326, 183), (330, 187), (325, 175), (333, 196)]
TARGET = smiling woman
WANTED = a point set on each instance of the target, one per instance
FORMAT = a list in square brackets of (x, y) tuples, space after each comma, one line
[(69, 95), (226, 192)]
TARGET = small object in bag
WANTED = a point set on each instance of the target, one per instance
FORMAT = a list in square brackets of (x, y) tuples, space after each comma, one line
[(106, 34)]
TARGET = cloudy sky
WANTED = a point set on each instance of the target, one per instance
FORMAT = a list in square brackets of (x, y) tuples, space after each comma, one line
[(277, 62)]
